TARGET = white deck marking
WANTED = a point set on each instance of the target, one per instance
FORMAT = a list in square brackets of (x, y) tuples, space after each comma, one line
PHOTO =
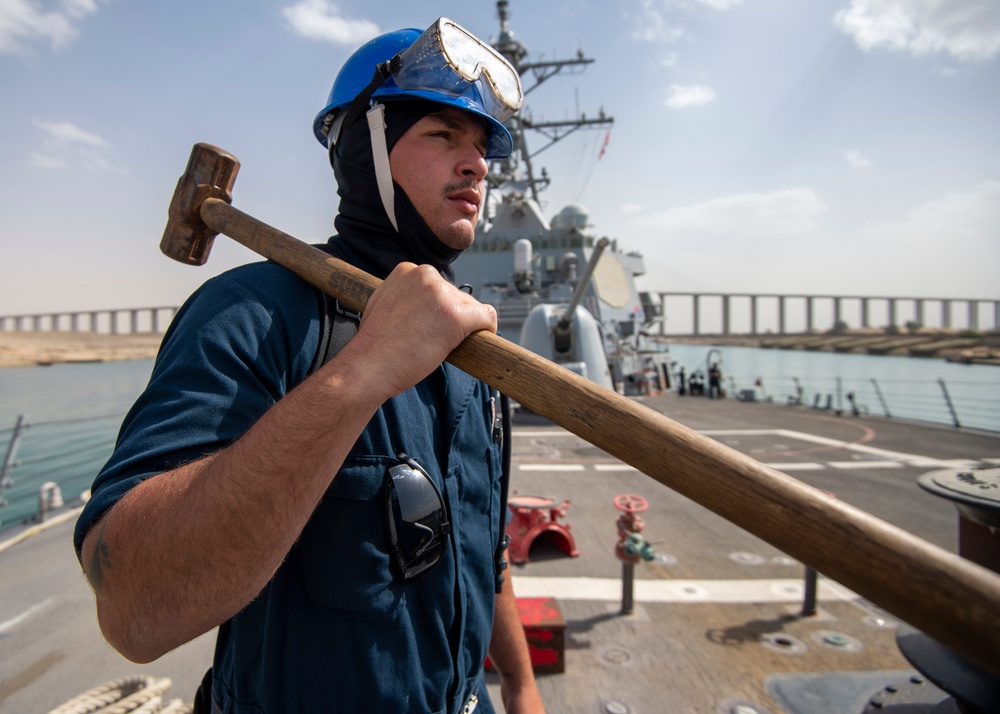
[(796, 466), (550, 467), (15, 621), (887, 459), (866, 465), (739, 432), (915, 460), (717, 591), (909, 459)]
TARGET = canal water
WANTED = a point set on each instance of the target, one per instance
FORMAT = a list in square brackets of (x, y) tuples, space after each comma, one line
[(899, 387), (74, 411)]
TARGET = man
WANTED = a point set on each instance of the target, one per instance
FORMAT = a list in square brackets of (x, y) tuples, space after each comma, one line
[(339, 523), (714, 381)]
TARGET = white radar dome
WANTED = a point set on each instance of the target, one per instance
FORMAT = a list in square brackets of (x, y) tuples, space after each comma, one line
[(572, 216), (522, 255)]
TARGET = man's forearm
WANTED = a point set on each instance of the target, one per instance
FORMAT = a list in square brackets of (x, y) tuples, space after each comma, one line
[(185, 550)]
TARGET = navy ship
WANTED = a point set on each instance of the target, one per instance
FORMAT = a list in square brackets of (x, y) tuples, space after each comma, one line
[(717, 621), (560, 290)]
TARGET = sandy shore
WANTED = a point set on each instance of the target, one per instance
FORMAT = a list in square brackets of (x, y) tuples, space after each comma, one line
[(19, 349)]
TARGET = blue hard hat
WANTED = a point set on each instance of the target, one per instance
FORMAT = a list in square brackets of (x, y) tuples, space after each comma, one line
[(356, 74)]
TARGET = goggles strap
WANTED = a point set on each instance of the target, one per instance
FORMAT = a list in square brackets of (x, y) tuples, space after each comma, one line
[(382, 72), (380, 156)]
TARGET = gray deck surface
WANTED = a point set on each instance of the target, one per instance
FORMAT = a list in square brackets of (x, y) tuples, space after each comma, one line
[(696, 644)]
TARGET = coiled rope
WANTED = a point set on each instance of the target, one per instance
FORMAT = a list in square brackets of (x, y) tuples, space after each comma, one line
[(128, 695)]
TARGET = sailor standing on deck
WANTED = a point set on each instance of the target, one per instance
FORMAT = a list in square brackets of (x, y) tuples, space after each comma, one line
[(715, 381), (338, 522)]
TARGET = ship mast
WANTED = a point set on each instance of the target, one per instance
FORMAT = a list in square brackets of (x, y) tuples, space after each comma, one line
[(507, 172)]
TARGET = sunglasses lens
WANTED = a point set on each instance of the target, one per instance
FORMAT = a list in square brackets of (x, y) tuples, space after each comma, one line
[(418, 500), (416, 520)]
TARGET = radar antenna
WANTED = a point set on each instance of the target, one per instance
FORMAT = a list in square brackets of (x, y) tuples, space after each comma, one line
[(517, 172)]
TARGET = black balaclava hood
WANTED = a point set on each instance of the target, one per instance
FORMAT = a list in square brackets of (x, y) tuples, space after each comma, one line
[(364, 231)]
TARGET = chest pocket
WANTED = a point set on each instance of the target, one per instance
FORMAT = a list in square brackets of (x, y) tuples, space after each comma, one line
[(341, 563)]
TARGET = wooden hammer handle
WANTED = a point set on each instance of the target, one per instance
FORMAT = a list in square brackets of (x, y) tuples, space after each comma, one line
[(951, 599)]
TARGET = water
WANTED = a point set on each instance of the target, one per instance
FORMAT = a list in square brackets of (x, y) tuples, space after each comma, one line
[(898, 387), (75, 410)]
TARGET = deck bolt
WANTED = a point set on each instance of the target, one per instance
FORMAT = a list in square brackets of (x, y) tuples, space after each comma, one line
[(617, 656)]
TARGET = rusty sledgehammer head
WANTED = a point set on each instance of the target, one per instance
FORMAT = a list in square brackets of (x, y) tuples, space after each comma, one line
[(211, 173)]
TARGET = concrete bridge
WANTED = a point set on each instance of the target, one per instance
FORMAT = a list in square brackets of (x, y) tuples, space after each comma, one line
[(115, 322), (756, 314), (686, 314)]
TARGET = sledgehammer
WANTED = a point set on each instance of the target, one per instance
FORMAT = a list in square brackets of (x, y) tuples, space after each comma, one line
[(953, 600)]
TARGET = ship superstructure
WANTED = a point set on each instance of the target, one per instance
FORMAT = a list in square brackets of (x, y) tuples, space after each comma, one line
[(522, 261)]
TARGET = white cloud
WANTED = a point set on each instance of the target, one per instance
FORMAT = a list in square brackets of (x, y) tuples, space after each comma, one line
[(670, 60), (652, 24), (96, 161), (46, 162), (967, 219), (655, 22), (965, 29), (321, 20), (79, 8), (721, 4), (945, 246), (630, 209), (738, 218), (66, 144), (682, 97), (67, 133), (23, 22), (856, 159)]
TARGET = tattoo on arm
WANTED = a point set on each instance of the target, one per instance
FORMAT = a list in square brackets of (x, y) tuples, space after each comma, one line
[(100, 561)]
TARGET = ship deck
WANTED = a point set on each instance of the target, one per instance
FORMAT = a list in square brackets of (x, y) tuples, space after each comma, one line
[(717, 622)]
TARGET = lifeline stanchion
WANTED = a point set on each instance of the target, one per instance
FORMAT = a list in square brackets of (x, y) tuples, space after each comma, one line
[(809, 599), (10, 460)]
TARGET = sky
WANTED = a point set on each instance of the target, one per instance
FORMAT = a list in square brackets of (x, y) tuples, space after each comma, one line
[(847, 147)]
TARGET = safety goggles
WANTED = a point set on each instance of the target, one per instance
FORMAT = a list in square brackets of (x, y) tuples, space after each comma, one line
[(416, 518), (448, 58)]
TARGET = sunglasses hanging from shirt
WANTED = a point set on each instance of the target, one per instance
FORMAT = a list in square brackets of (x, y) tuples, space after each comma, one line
[(416, 518)]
